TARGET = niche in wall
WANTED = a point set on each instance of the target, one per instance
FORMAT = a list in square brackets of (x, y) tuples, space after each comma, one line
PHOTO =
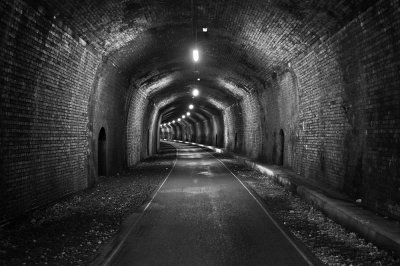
[(102, 153)]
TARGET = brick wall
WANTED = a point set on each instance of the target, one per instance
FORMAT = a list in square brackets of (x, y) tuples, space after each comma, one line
[(46, 81), (242, 126), (136, 129), (347, 132), (233, 128), (251, 125), (107, 109)]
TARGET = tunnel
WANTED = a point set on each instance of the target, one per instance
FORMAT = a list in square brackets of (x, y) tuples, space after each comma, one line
[(91, 88)]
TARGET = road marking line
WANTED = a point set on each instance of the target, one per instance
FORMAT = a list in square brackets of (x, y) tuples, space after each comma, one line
[(267, 213), (117, 249)]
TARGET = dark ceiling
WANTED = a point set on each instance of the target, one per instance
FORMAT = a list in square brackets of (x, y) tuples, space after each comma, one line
[(151, 41)]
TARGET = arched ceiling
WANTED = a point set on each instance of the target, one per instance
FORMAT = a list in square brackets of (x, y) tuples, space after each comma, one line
[(177, 105), (151, 41), (110, 25)]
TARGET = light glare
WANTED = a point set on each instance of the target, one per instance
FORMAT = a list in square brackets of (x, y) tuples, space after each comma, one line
[(196, 55), (205, 29), (188, 113), (183, 116), (191, 106), (195, 92), (179, 119)]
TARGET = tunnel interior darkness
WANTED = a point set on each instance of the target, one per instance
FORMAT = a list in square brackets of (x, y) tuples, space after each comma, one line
[(308, 85), (102, 153)]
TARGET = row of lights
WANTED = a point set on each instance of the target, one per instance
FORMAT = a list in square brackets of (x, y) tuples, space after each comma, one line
[(195, 92), (179, 119)]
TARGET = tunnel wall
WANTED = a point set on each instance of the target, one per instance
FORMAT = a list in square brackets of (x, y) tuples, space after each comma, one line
[(347, 132), (233, 128), (218, 131), (250, 108), (108, 109), (46, 80), (279, 113), (140, 126), (243, 126)]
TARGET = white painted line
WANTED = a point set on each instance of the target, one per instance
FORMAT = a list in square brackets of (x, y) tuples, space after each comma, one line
[(268, 215), (116, 250)]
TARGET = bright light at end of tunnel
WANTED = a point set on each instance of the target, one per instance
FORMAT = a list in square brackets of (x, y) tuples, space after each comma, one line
[(196, 55), (179, 119), (191, 106), (195, 92), (188, 113)]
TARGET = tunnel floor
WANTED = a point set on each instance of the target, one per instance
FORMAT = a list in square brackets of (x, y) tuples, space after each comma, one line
[(214, 221), (204, 215)]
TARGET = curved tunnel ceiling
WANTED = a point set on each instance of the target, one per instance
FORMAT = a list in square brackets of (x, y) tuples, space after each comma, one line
[(151, 42), (110, 25)]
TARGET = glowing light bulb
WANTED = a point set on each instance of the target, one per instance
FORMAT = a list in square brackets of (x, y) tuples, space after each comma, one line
[(173, 122), (195, 92), (191, 106), (205, 29), (183, 116), (179, 119), (188, 113), (196, 55)]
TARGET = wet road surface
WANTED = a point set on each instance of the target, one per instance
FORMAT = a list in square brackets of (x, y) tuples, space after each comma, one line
[(203, 215)]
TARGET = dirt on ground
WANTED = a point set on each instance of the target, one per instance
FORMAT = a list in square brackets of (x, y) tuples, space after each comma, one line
[(330, 242), (71, 231)]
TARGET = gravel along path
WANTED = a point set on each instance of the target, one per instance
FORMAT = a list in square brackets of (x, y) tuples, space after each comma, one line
[(329, 241), (71, 231)]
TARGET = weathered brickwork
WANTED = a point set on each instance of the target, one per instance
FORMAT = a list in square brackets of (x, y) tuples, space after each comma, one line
[(46, 80), (108, 110), (349, 114), (233, 128), (279, 114), (251, 125), (138, 105), (218, 131)]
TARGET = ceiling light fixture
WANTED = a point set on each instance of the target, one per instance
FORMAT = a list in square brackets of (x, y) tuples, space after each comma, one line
[(196, 55), (195, 92)]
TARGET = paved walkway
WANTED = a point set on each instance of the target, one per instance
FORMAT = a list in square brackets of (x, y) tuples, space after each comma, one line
[(203, 215)]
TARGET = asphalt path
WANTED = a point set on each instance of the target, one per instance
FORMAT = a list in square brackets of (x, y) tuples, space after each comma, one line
[(203, 215)]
